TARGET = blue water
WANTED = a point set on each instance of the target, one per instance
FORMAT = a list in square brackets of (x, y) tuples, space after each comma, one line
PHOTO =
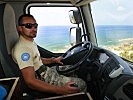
[(50, 38), (111, 34)]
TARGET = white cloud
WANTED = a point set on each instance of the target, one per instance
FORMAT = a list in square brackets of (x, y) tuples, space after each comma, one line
[(120, 8), (120, 17)]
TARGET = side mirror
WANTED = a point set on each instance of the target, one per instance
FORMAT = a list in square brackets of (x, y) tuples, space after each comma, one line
[(75, 32), (75, 35), (74, 16), (72, 36)]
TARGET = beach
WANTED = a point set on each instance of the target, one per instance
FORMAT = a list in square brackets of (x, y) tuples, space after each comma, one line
[(125, 45)]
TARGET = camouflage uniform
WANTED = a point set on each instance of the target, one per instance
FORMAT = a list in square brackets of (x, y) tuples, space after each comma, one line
[(51, 76)]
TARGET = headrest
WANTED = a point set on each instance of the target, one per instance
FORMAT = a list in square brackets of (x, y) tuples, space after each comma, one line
[(1, 2), (10, 30)]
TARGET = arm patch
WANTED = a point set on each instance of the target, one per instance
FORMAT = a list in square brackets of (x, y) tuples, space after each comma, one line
[(25, 56)]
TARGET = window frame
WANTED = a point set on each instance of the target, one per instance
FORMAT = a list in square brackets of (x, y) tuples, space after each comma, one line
[(28, 6)]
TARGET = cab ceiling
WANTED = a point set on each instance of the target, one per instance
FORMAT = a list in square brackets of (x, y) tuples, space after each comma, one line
[(35, 0), (74, 2)]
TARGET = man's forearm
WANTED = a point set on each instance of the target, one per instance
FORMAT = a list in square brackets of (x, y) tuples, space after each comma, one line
[(48, 60), (45, 87)]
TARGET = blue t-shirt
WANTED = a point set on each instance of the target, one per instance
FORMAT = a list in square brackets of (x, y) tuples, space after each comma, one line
[(3, 92)]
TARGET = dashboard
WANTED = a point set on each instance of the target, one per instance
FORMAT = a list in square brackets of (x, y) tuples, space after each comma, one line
[(112, 74), (109, 62)]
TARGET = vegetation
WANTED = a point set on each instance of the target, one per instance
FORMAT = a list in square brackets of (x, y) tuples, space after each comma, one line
[(126, 51)]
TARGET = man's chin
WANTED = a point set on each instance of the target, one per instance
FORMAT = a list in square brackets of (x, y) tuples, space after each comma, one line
[(33, 36)]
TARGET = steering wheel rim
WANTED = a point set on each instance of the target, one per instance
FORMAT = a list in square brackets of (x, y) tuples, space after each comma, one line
[(83, 46)]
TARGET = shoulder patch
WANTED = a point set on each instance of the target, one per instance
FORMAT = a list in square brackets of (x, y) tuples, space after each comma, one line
[(25, 56)]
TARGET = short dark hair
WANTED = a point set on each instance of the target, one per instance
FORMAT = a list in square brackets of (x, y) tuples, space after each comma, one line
[(21, 18)]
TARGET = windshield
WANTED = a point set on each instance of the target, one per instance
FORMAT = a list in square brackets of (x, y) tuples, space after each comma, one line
[(114, 26), (54, 27)]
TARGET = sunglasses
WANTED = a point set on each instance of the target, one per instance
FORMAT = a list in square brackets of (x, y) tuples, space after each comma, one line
[(29, 25)]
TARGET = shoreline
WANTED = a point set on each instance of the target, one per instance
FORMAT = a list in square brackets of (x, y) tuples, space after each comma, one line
[(125, 45)]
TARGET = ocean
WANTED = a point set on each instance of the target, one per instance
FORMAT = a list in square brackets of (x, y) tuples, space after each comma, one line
[(51, 39), (113, 34)]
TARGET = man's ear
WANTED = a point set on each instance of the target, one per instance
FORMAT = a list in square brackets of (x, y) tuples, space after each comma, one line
[(19, 28)]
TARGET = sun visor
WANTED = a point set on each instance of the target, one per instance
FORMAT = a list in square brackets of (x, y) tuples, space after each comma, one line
[(80, 2)]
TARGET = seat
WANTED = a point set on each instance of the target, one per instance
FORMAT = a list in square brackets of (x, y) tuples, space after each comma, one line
[(8, 32), (8, 37)]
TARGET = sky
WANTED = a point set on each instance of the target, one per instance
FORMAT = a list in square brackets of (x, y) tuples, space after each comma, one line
[(113, 12), (50, 15), (104, 12)]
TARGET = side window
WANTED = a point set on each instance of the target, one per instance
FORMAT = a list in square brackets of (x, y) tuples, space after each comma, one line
[(54, 27), (114, 26)]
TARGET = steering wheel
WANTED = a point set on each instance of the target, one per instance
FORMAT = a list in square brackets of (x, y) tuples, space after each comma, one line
[(75, 56)]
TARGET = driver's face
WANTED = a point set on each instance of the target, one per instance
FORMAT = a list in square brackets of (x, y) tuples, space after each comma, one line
[(28, 32)]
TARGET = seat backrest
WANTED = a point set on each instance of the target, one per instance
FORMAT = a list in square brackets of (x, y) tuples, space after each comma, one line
[(8, 37)]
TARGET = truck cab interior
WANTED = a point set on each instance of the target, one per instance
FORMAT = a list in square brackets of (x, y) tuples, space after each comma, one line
[(108, 76)]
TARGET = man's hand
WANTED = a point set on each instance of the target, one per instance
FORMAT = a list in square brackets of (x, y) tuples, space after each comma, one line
[(52, 60), (68, 89), (58, 60)]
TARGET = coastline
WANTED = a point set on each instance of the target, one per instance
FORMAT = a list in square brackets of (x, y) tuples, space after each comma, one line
[(125, 45)]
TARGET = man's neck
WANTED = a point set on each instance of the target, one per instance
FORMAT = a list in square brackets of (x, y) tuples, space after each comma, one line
[(27, 38)]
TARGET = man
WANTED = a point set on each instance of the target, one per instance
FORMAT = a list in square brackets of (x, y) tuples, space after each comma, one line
[(36, 75)]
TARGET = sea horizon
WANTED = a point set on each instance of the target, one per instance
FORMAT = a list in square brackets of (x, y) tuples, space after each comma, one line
[(107, 35)]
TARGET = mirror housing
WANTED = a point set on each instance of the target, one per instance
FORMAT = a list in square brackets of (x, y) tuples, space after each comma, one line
[(75, 17), (75, 32)]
